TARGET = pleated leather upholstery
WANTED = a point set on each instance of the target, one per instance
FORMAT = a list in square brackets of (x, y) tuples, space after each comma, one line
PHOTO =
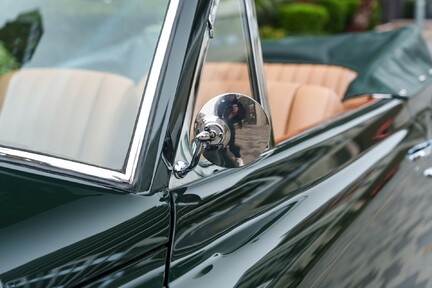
[(76, 114)]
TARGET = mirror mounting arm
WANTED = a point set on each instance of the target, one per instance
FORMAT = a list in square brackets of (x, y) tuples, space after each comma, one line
[(182, 168)]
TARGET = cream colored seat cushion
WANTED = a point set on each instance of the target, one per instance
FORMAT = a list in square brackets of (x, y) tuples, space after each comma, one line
[(312, 105), (300, 95), (225, 71), (296, 107), (76, 114), (333, 77)]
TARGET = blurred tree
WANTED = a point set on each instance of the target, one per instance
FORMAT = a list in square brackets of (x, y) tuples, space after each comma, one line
[(303, 18), (7, 61), (267, 11), (343, 16)]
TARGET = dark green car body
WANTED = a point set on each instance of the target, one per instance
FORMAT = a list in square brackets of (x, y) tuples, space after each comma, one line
[(339, 205)]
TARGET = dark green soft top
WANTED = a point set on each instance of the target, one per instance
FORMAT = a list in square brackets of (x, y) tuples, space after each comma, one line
[(386, 62)]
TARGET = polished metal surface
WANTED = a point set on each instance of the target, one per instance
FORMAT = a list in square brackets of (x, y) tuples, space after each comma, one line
[(428, 172), (419, 151), (255, 59), (211, 130), (126, 175), (150, 92), (232, 121), (211, 18), (182, 168), (184, 152), (223, 124)]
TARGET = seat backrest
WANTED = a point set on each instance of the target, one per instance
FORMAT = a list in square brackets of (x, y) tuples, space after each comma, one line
[(225, 71), (300, 95), (76, 114), (333, 77), (311, 105), (296, 107)]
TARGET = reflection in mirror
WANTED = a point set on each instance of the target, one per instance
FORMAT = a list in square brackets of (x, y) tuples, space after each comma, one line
[(239, 130)]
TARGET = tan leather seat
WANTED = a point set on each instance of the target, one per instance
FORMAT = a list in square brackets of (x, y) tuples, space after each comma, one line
[(333, 77), (76, 114), (294, 104), (296, 107), (357, 102), (281, 103), (225, 71)]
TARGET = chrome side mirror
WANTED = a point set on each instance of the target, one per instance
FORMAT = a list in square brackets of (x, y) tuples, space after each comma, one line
[(231, 130)]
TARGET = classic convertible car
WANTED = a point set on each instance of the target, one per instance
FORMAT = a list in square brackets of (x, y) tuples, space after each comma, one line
[(156, 143)]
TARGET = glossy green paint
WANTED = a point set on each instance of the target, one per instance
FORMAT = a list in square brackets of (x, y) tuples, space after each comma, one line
[(61, 229), (267, 223), (271, 218), (270, 222), (57, 232), (387, 242)]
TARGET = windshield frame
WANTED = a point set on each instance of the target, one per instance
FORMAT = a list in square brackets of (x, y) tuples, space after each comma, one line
[(127, 174)]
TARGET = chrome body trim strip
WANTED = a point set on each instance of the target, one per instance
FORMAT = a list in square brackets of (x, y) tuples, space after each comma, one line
[(128, 175), (50, 161)]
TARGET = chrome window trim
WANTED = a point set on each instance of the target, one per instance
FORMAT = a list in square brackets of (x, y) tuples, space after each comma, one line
[(184, 152), (256, 60), (140, 128)]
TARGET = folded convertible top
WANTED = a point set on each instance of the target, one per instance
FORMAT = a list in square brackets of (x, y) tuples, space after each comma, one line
[(395, 62)]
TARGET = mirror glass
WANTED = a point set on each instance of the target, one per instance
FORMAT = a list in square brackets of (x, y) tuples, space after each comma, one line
[(239, 126)]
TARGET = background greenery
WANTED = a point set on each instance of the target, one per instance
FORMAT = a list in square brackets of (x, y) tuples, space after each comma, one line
[(7, 61), (280, 18)]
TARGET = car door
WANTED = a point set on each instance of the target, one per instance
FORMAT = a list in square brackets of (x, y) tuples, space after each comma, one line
[(76, 207), (268, 222)]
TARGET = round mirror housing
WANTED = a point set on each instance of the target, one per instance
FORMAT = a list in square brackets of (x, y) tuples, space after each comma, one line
[(231, 130), (238, 130)]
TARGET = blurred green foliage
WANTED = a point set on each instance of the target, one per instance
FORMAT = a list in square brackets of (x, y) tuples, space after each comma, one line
[(303, 18), (267, 11), (337, 11), (271, 33), (376, 14), (7, 61), (293, 17)]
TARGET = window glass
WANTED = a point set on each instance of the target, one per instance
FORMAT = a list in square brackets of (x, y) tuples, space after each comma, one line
[(225, 69), (72, 74)]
